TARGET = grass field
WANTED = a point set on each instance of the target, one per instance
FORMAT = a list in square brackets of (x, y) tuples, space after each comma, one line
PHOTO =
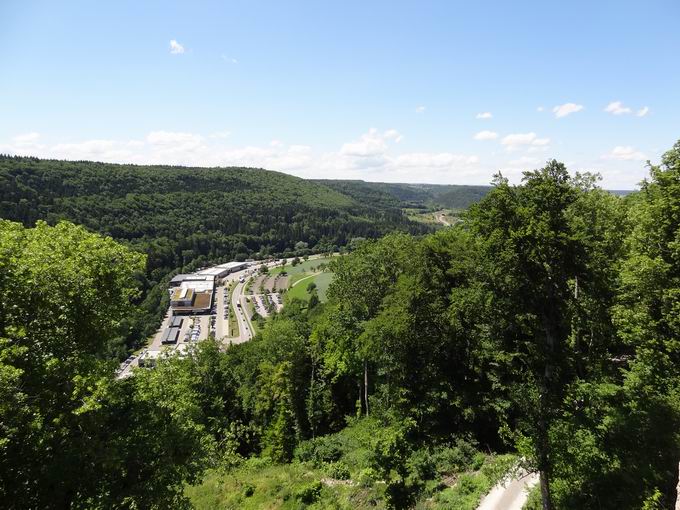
[(299, 290), (303, 267)]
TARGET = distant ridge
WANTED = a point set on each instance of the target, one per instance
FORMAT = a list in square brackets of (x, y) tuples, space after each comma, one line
[(449, 196)]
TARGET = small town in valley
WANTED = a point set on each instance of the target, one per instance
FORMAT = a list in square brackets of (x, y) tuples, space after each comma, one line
[(226, 302)]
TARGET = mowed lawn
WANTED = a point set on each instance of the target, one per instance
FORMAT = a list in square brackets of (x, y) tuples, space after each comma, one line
[(322, 281), (305, 266)]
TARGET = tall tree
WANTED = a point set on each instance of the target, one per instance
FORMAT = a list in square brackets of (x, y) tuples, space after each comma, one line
[(63, 294), (532, 260)]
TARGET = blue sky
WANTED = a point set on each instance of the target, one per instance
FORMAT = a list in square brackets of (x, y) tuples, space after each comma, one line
[(382, 91)]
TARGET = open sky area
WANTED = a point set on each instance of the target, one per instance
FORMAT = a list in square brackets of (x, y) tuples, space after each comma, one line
[(422, 91)]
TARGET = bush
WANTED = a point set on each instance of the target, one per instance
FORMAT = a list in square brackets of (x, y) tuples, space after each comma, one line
[(309, 493), (367, 477), (339, 471), (456, 458), (478, 460), (248, 490), (319, 451)]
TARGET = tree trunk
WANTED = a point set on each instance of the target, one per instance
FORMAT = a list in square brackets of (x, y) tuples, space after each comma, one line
[(312, 417), (546, 498), (361, 398), (677, 501), (544, 409), (366, 385)]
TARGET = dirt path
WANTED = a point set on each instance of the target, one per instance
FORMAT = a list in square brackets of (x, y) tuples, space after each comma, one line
[(303, 279), (441, 218), (509, 494)]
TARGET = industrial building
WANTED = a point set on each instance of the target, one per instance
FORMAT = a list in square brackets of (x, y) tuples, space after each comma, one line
[(182, 297), (223, 269), (170, 336), (193, 279), (193, 295)]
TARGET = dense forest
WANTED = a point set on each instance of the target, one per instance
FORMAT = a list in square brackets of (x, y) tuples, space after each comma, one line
[(542, 331), (451, 196), (184, 218)]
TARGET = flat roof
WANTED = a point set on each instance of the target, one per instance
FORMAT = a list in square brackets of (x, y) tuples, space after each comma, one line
[(213, 271), (179, 278), (198, 286), (183, 293), (170, 335), (232, 265), (199, 277), (221, 269), (202, 301)]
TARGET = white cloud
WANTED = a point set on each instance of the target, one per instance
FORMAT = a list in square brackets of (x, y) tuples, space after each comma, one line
[(420, 109), (617, 108), (484, 115), (231, 60), (624, 153), (428, 159), (540, 109), (486, 135), (562, 110), (176, 48), (221, 134), (516, 140), (26, 138), (373, 143), (372, 156), (393, 134), (642, 111)]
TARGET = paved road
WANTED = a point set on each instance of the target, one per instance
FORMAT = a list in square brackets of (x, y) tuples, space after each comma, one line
[(245, 333), (509, 494)]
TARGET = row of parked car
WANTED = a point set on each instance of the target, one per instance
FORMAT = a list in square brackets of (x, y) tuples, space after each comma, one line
[(193, 333)]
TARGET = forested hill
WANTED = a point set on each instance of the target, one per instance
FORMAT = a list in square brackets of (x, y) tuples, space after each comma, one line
[(451, 196), (183, 218), (180, 215)]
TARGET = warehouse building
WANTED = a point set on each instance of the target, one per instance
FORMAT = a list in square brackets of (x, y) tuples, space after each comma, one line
[(170, 336), (223, 269), (182, 297)]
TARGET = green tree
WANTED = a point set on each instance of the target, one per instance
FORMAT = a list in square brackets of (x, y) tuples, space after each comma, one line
[(534, 257), (64, 295)]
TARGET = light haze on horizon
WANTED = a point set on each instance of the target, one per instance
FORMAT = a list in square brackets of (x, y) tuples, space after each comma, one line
[(426, 92)]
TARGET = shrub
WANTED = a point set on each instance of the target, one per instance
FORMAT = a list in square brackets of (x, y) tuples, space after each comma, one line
[(456, 458), (320, 450), (367, 477), (339, 471), (248, 490), (309, 493), (478, 461)]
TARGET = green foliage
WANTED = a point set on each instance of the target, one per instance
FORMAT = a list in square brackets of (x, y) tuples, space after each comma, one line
[(320, 450), (184, 218), (309, 493), (470, 487), (546, 322), (339, 471)]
